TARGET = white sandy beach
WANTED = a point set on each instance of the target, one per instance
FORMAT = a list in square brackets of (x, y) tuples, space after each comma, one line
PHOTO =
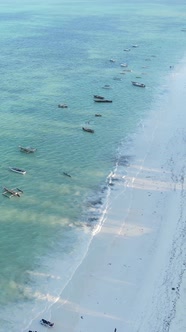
[(131, 278)]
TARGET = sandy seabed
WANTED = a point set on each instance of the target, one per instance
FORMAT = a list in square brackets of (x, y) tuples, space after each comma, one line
[(133, 278)]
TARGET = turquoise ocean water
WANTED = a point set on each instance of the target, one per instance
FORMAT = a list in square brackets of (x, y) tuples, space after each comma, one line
[(56, 52)]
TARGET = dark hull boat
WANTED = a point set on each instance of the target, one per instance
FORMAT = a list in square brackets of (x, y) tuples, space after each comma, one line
[(46, 323), (66, 174), (89, 130), (99, 97), (62, 106), (141, 85), (103, 101)]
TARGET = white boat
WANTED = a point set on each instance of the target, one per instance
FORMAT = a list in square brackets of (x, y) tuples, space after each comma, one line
[(106, 86), (141, 85), (117, 79), (17, 170)]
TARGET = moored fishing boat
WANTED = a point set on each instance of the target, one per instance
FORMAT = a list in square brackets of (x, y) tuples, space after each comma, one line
[(62, 106), (106, 86), (103, 100), (138, 84), (17, 170), (99, 97), (27, 149), (89, 130), (12, 192), (65, 173)]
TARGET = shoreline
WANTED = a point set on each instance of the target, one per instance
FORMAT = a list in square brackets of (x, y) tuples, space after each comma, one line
[(138, 253)]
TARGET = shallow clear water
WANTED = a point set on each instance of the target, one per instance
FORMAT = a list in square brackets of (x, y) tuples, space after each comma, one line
[(54, 53)]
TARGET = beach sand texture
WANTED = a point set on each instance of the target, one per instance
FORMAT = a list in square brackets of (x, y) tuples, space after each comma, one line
[(57, 261), (131, 277)]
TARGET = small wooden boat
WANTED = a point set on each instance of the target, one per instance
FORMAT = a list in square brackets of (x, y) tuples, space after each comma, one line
[(98, 115), (117, 79), (127, 70), (16, 192), (106, 86), (66, 174), (139, 84), (98, 97), (62, 106), (27, 149), (17, 170), (89, 130), (103, 101)]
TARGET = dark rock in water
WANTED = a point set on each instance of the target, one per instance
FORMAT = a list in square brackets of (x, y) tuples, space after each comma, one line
[(92, 219), (115, 179), (104, 188), (96, 202), (89, 225), (124, 160)]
